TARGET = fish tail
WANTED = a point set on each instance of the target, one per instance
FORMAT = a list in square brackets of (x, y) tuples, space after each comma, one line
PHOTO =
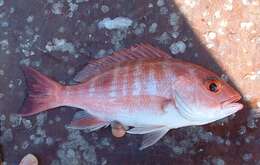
[(43, 93)]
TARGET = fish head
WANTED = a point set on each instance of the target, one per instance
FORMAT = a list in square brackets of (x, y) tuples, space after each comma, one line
[(203, 97)]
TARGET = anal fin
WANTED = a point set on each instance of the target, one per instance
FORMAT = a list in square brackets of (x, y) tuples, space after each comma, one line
[(83, 120)]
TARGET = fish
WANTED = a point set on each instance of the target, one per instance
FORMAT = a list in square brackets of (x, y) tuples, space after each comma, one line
[(142, 87)]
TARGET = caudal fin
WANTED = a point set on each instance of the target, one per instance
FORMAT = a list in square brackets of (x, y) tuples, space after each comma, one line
[(42, 93)]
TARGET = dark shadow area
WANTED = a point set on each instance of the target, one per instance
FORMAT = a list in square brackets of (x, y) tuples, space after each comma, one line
[(180, 146), (1, 153)]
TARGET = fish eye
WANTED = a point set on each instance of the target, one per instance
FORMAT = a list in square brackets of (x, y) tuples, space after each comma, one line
[(213, 85)]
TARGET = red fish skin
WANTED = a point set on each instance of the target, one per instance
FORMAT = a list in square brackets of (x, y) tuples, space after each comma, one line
[(141, 79)]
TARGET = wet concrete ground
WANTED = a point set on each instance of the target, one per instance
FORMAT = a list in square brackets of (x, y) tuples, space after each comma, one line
[(58, 37)]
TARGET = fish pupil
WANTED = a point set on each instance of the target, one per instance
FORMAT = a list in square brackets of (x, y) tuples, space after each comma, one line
[(213, 87)]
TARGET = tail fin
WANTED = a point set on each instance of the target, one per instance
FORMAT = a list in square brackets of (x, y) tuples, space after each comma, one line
[(43, 93)]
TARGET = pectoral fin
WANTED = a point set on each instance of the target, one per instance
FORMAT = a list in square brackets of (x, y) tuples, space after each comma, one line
[(83, 120), (152, 137)]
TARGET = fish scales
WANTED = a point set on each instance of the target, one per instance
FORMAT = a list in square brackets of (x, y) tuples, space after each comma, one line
[(144, 78)]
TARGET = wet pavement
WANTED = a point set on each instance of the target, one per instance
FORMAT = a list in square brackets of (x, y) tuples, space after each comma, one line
[(59, 37)]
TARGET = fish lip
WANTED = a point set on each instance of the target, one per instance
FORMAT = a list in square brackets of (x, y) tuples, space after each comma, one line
[(232, 103), (231, 100)]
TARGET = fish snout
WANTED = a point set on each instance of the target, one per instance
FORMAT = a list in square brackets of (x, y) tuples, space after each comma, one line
[(232, 103)]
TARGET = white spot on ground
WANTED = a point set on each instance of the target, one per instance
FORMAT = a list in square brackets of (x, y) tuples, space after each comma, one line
[(153, 27), (4, 44), (164, 38), (104, 8), (178, 47), (72, 8), (175, 34), (29, 19), (6, 136), (57, 8), (117, 38), (252, 75), (191, 3), (251, 122), (25, 145), (75, 150), (4, 24), (249, 2), (205, 13), (101, 53), (223, 23), (246, 2), (25, 61), (247, 156), (71, 71), (41, 118), (228, 6), (212, 35), (60, 45), (49, 141), (160, 3), (246, 25), (15, 120), (255, 112), (27, 123), (174, 19), (139, 28), (218, 161), (1, 2), (116, 23), (163, 10), (61, 29), (80, 1), (258, 104), (217, 14), (242, 130)]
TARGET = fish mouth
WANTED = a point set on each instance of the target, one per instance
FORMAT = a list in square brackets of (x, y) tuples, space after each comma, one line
[(232, 104)]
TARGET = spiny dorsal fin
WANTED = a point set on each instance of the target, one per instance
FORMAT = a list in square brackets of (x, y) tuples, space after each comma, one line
[(137, 52)]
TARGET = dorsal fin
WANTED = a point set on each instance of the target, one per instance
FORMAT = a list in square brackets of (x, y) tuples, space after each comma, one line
[(137, 52)]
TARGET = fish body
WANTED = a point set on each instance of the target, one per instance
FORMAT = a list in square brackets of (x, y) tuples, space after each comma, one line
[(133, 93), (141, 87)]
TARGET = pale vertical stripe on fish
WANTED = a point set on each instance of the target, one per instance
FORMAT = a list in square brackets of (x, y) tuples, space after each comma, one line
[(150, 79), (125, 82), (144, 69), (168, 77), (114, 82), (91, 89), (159, 76), (136, 81), (130, 78)]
